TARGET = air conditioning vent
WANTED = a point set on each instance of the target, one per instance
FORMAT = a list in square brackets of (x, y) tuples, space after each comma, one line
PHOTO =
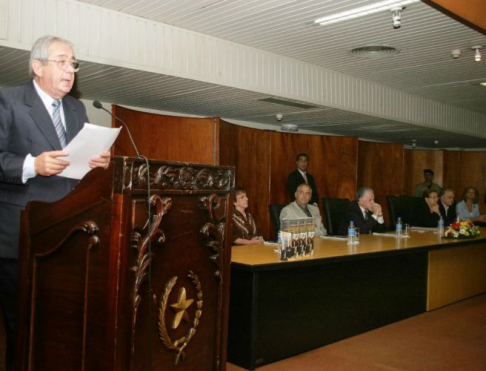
[(374, 51)]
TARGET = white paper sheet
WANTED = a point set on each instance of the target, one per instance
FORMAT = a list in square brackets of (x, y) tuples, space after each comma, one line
[(392, 234), (338, 238), (89, 143)]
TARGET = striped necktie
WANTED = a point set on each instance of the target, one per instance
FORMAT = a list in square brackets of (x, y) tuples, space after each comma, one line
[(56, 118)]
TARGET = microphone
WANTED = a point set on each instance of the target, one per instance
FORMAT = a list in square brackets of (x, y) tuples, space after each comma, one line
[(97, 104)]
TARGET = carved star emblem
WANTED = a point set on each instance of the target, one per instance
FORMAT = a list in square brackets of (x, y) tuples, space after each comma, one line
[(180, 308)]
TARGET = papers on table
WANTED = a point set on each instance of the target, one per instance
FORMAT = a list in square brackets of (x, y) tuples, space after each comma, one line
[(423, 229), (89, 143), (391, 234), (338, 238), (270, 243)]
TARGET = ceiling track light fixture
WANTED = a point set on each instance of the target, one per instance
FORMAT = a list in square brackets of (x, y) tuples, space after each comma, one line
[(414, 143), (477, 54), (397, 17), (361, 11)]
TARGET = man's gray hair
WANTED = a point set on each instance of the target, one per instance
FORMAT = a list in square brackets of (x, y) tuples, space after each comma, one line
[(40, 49), (362, 191), (302, 185), (445, 190)]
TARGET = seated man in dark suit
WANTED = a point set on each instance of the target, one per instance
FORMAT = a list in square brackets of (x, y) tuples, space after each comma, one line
[(364, 212), (299, 176), (447, 206)]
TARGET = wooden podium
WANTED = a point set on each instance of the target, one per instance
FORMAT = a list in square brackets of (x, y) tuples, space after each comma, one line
[(112, 279)]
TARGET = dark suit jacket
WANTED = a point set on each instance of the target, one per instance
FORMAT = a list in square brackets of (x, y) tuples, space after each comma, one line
[(353, 212), (26, 127), (295, 179), (424, 218), (451, 213)]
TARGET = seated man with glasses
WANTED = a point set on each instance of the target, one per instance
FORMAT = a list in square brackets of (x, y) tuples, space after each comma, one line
[(428, 213)]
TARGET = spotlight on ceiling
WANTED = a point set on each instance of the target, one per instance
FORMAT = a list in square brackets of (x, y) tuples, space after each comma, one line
[(456, 53), (397, 17), (414, 143), (477, 53), (279, 116)]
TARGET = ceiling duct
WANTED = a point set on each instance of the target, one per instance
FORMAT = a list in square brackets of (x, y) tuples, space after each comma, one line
[(374, 51)]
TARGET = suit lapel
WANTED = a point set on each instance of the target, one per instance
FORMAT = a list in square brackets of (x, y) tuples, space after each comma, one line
[(41, 117)]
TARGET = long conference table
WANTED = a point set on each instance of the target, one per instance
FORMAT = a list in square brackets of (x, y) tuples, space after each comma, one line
[(280, 309)]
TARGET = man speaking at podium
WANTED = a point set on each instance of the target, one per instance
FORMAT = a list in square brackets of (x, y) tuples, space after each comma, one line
[(37, 120)]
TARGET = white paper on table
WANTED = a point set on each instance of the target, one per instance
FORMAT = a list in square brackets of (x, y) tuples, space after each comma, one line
[(392, 234), (89, 143), (338, 238)]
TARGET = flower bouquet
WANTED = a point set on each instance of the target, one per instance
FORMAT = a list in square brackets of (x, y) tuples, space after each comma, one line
[(462, 229)]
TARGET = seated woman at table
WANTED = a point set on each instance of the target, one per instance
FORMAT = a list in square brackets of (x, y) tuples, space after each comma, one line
[(428, 214), (245, 231), (468, 208)]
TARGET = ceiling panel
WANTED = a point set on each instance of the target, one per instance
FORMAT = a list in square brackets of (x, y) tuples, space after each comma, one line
[(423, 65)]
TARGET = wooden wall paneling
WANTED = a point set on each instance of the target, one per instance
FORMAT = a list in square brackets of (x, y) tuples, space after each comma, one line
[(453, 172), (228, 136), (466, 169), (380, 166), (340, 167), (285, 148), (418, 160), (332, 162), (169, 138), (253, 172), (470, 12)]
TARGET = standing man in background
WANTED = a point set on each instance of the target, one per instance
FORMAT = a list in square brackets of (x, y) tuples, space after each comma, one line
[(427, 184), (37, 120), (299, 176)]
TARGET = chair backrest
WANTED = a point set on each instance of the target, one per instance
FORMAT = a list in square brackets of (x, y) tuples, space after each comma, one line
[(275, 210), (404, 207), (334, 209)]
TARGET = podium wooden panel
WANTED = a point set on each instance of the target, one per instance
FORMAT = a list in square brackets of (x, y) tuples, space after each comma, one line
[(102, 288)]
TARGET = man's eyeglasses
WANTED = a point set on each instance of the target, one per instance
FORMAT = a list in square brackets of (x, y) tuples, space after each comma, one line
[(63, 64)]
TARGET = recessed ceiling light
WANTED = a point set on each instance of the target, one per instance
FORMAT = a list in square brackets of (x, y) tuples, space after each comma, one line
[(483, 84)]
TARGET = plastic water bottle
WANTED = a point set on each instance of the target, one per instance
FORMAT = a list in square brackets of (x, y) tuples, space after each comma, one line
[(399, 227), (351, 233), (441, 225)]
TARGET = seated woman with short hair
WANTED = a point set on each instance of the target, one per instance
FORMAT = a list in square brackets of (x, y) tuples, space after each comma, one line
[(428, 214), (245, 231), (468, 208)]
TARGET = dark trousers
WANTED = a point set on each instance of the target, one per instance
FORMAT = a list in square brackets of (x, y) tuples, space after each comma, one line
[(9, 277)]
